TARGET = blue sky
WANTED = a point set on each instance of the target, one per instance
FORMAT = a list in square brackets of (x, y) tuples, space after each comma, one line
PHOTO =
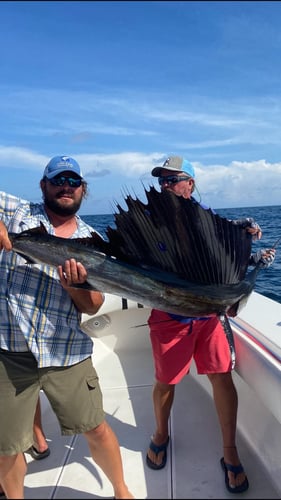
[(122, 85)]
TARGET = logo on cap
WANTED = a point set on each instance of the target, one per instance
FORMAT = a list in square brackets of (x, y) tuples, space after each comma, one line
[(166, 162)]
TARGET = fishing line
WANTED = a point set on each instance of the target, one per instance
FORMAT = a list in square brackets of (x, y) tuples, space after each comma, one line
[(198, 193), (276, 242)]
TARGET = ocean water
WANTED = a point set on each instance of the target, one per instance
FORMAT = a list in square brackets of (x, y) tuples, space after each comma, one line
[(268, 282)]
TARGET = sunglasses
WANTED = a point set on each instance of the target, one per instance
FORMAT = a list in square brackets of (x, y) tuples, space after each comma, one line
[(60, 180), (172, 179)]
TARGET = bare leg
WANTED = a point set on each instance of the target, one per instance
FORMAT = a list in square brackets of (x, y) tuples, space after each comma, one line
[(40, 444), (105, 451), (39, 437), (12, 473), (163, 397), (226, 402)]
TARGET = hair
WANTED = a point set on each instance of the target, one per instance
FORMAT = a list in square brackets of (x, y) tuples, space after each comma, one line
[(85, 189)]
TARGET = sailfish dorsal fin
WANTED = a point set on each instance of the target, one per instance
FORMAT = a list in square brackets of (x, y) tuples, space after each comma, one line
[(172, 234)]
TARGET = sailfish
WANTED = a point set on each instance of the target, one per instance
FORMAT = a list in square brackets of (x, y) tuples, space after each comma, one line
[(167, 252)]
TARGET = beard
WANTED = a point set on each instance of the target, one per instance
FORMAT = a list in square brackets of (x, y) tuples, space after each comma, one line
[(59, 208)]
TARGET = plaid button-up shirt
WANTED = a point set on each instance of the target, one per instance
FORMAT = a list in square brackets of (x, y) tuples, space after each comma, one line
[(36, 313)]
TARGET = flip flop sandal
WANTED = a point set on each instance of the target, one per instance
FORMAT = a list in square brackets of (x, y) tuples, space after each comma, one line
[(157, 449), (236, 469), (37, 455)]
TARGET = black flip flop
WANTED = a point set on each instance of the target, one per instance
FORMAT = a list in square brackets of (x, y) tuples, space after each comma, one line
[(236, 469), (157, 449), (37, 455)]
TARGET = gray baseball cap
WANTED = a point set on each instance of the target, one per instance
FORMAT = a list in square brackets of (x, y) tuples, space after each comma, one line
[(175, 164)]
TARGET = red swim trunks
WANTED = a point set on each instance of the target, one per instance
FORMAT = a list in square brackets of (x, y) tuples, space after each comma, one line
[(175, 343)]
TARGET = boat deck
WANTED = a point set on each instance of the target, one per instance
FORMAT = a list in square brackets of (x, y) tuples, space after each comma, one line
[(125, 368)]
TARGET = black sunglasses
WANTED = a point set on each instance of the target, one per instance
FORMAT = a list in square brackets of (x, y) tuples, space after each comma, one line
[(172, 179), (60, 180)]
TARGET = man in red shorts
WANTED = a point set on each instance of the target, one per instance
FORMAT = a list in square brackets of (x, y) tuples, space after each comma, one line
[(203, 339)]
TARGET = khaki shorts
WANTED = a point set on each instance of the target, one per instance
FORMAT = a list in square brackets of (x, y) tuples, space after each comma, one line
[(73, 392)]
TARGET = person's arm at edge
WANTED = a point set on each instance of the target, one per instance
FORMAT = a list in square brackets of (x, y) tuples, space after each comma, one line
[(86, 301), (4, 239)]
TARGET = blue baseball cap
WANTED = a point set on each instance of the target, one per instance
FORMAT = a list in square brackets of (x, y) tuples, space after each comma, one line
[(175, 164), (59, 164)]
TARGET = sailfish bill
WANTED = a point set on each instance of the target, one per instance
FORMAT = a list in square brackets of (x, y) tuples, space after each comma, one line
[(168, 253)]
